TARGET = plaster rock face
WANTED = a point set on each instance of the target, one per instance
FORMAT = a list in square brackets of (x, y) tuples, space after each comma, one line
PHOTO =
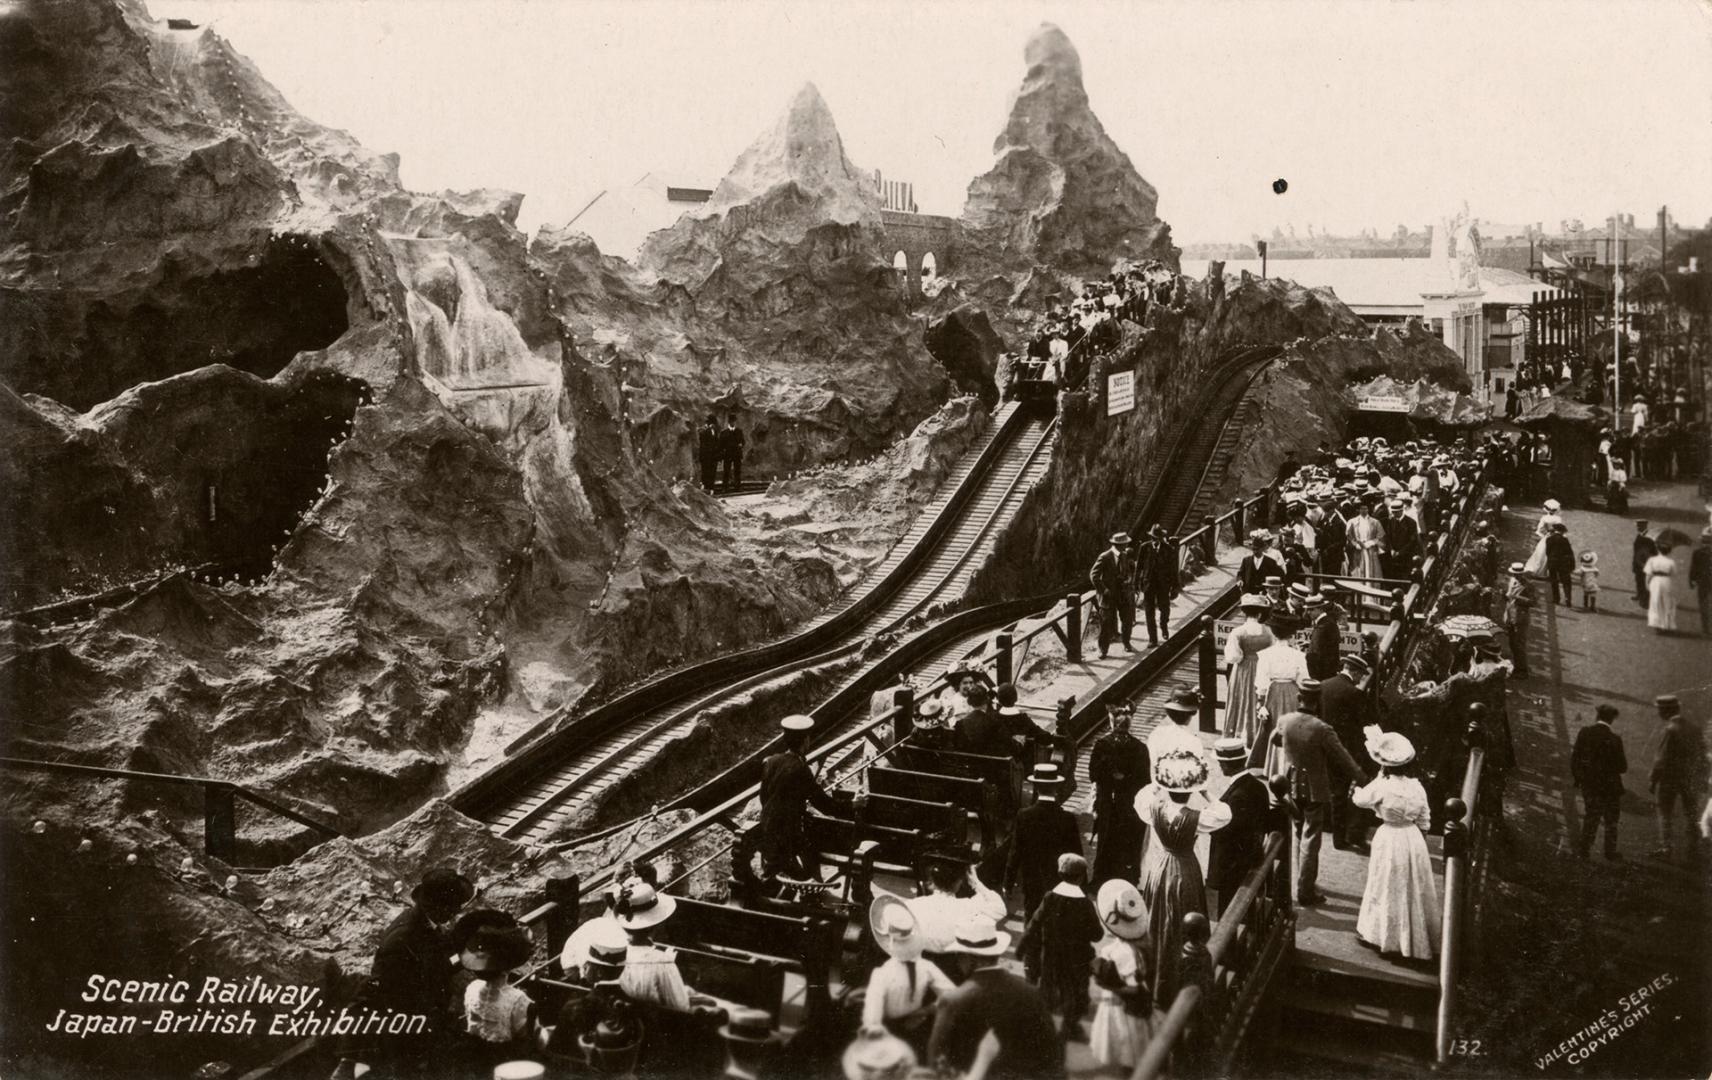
[(1060, 191), (781, 289)]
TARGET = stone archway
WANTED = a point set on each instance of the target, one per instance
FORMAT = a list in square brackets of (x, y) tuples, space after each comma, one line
[(929, 268), (901, 266)]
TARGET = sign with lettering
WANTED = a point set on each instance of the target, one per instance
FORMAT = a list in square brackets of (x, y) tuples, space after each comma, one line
[(1348, 640), (1120, 392), (1393, 403)]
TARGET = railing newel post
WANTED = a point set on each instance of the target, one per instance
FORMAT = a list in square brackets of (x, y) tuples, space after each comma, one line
[(1073, 627), (1208, 675), (903, 723)]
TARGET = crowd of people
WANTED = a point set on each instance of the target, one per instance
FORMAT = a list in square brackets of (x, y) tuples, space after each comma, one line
[(1088, 324)]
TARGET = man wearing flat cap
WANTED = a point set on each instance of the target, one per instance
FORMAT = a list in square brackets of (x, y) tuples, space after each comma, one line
[(1110, 577)]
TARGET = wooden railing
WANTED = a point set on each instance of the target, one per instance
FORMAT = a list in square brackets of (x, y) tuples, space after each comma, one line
[(219, 800), (1466, 843), (1203, 1028)]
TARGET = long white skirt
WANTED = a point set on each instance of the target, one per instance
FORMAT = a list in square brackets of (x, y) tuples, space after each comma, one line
[(1536, 564), (1115, 1037), (1400, 907), (1661, 612)]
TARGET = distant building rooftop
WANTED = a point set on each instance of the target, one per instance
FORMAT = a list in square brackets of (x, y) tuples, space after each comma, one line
[(1380, 286)]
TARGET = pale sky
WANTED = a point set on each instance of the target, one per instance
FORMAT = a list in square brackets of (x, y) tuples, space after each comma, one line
[(1377, 113)]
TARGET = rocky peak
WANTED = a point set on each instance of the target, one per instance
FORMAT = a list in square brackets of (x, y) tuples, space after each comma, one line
[(1060, 190), (801, 148)]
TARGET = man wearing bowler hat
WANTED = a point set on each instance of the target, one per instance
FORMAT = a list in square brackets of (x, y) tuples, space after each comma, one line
[(992, 999), (1597, 765), (1110, 577)]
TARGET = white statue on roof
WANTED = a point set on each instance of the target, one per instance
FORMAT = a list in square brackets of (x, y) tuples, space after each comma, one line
[(1456, 247)]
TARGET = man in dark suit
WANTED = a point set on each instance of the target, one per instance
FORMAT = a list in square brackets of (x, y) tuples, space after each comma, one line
[(788, 787), (1645, 548), (1597, 765), (1002, 732), (1402, 541), (707, 452), (1110, 577), (1257, 565), (1345, 706), (1319, 765), (1329, 538), (1044, 830), (731, 442), (1119, 766), (992, 999), (1157, 568), (1236, 849), (1322, 651), (412, 975)]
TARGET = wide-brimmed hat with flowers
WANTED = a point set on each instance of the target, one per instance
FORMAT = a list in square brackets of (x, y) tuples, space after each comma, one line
[(1390, 748), (640, 905), (1180, 770)]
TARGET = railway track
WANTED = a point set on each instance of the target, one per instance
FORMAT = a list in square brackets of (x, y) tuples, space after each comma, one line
[(538, 807)]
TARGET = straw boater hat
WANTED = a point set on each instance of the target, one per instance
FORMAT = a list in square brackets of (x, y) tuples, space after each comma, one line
[(1553, 505), (1313, 600), (1356, 663), (797, 723), (895, 928), (609, 949), (1180, 770), (1122, 910), (980, 936), (1391, 749), (1045, 775), (877, 1054), (1518, 569), (640, 905), (1273, 581), (1232, 749), (748, 1025), (1122, 539), (1300, 590), (1260, 600)]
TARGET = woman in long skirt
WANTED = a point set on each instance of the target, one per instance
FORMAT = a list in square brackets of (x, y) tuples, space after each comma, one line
[(1661, 588), (1124, 1010), (1242, 650), (1536, 564), (1400, 906), (1172, 884)]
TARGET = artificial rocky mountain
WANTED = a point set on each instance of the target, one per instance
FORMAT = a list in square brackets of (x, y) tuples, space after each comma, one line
[(1060, 191)]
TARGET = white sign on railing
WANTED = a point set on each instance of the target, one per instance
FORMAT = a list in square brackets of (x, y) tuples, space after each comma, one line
[(1120, 392), (1348, 640), (1382, 403)]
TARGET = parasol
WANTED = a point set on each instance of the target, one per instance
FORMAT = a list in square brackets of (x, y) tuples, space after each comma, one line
[(1462, 626), (1672, 537)]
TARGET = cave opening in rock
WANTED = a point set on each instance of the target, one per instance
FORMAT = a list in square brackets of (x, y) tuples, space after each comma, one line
[(256, 315), (247, 502)]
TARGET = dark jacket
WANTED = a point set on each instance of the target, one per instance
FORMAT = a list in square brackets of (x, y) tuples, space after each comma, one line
[(1346, 707), (1645, 548), (1235, 850), (787, 788), (1057, 948), (1110, 573), (1044, 830), (1158, 569), (1559, 555), (1254, 571), (1322, 651), (1315, 754), (1681, 761), (412, 969), (707, 443), (1597, 763), (997, 1001), (1700, 569), (987, 732), (731, 442)]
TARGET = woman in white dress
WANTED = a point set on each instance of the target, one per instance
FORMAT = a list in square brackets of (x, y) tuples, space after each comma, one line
[(1125, 1014), (1242, 649), (1661, 587), (1278, 671), (1400, 906), (1536, 564)]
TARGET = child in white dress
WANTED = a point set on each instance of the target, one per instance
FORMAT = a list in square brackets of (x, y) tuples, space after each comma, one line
[(1400, 906), (1124, 1015)]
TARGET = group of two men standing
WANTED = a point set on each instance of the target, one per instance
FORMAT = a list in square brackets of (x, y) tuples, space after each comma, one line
[(720, 447), (1121, 572)]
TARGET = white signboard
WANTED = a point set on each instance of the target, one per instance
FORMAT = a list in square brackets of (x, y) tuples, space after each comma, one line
[(1120, 392), (1382, 403), (1348, 640)]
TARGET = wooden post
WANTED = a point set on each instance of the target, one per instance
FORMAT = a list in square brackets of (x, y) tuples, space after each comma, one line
[(220, 821), (1210, 542), (1209, 662), (1073, 627), (1269, 499), (903, 724), (566, 894), (1003, 672), (1238, 516)]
